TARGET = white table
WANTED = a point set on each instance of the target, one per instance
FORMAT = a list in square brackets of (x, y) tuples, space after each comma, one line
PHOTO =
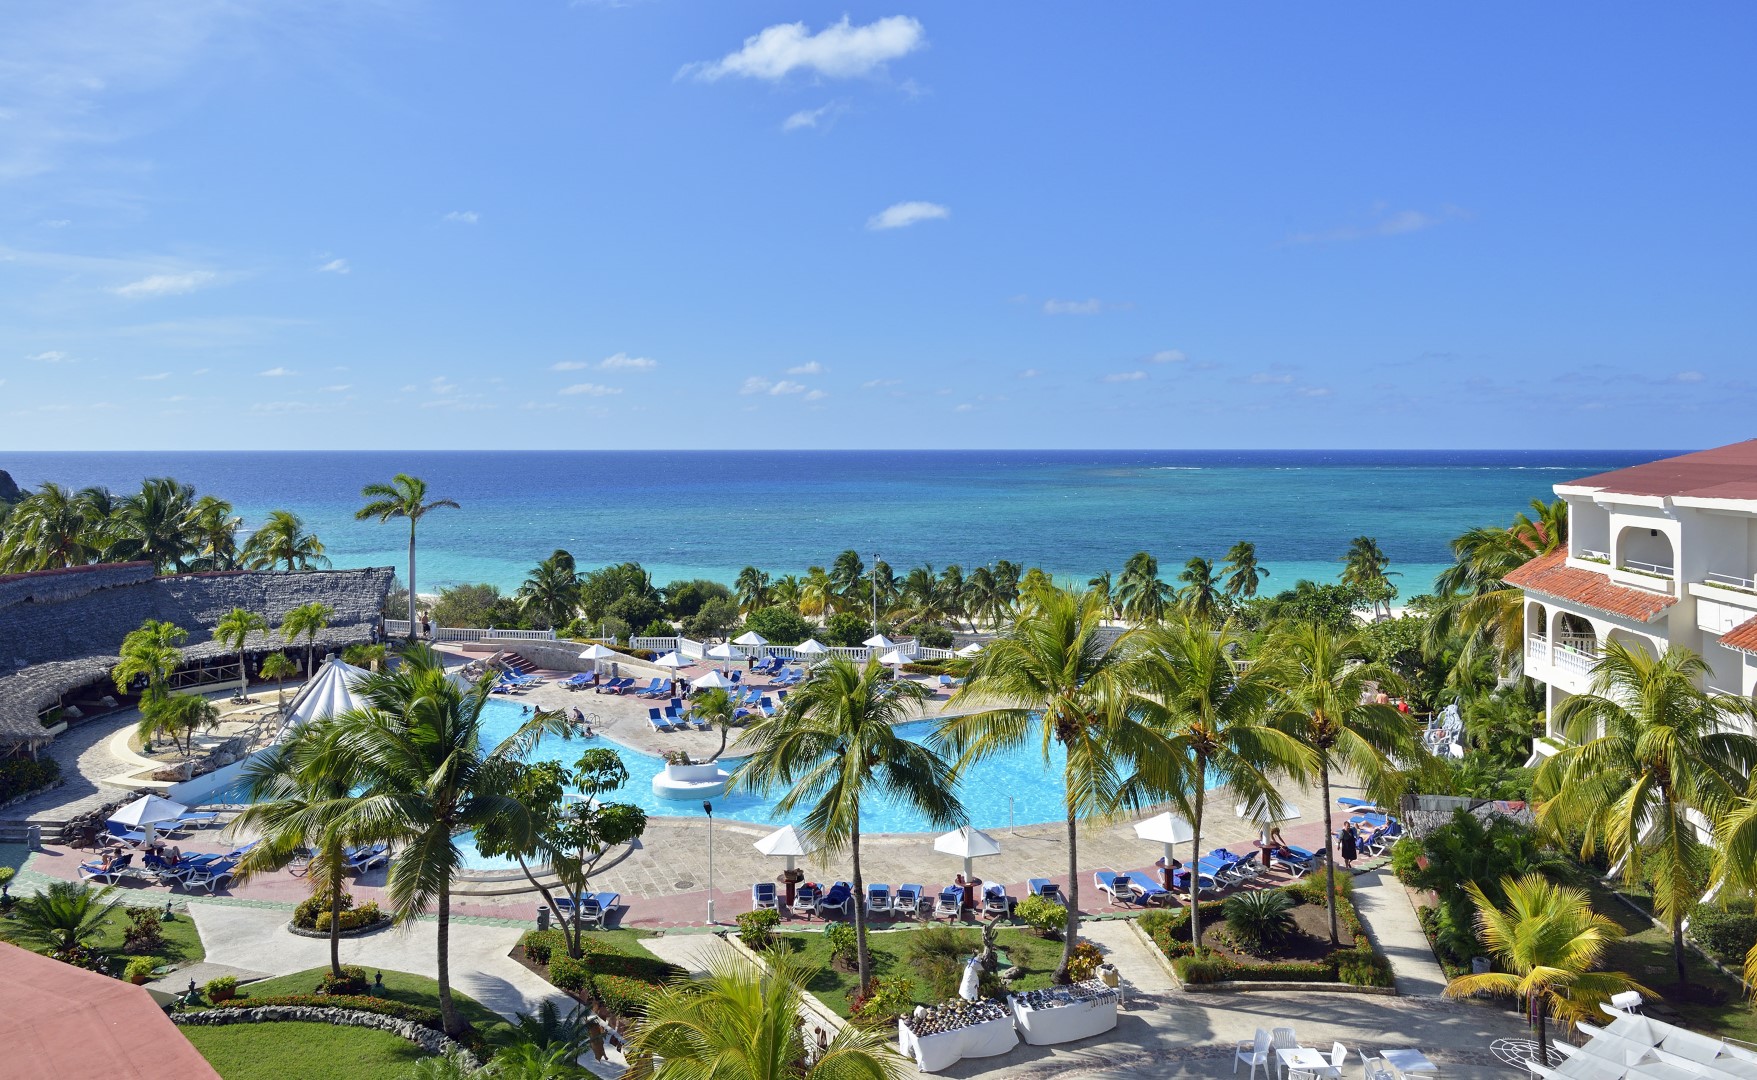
[(936, 1053), (1303, 1058), (1065, 1022), (1408, 1061)]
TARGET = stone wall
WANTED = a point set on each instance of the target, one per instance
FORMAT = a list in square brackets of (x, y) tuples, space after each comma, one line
[(429, 1040)]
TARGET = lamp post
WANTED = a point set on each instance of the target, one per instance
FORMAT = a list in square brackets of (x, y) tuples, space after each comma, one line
[(708, 808), (875, 562)]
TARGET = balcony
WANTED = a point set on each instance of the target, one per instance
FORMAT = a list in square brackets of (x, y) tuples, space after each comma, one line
[(1730, 581), (1575, 655), (1537, 650)]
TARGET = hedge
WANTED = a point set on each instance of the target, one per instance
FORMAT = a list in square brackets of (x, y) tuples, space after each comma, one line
[(417, 1014), (1359, 966), (624, 997), (22, 776), (1726, 934)]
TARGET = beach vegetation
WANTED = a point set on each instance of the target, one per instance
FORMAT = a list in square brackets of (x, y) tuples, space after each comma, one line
[(283, 544), (1365, 569), (307, 621), (846, 629), (234, 629), (1142, 596), (177, 717), (404, 497), (781, 626), (1243, 575), (214, 528), (1200, 597), (551, 592), (715, 618), (480, 605), (751, 590), (684, 598), (602, 588)]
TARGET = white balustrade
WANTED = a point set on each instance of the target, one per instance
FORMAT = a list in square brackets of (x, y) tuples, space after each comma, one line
[(1715, 577), (399, 628), (1537, 649), (1646, 567)]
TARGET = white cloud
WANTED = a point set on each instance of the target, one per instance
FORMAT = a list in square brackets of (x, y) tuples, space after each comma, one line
[(591, 389), (841, 50), (756, 384), (166, 284), (811, 367), (1313, 391), (1689, 376), (787, 386), (625, 362), (462, 217), (1073, 307), (155, 377), (965, 407), (199, 371), (1383, 222), (1125, 376), (811, 118), (335, 266), (817, 395), (569, 365), (874, 384), (1168, 356), (338, 388), (276, 373), (898, 215), (53, 356), (54, 223), (1029, 373), (1270, 378)]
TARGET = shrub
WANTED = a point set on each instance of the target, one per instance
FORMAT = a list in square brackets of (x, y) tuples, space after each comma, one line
[(418, 1014), (569, 974), (623, 997), (224, 988), (144, 933), (305, 915), (537, 946), (1205, 968), (1046, 917), (1406, 859), (890, 998), (1259, 921), (21, 776), (1363, 967), (936, 956), (352, 980), (1285, 971), (1727, 933), (1165, 920), (1084, 962), (365, 915), (1310, 889), (646, 969), (932, 635), (843, 944), (140, 969), (781, 625), (845, 628), (756, 929)]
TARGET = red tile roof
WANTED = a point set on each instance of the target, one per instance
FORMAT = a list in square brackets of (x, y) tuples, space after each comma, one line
[(1742, 637), (1726, 472), (1550, 574)]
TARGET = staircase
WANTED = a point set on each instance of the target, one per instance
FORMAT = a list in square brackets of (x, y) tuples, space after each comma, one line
[(517, 663)]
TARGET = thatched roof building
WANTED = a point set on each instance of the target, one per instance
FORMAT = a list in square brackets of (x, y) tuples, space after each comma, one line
[(60, 629)]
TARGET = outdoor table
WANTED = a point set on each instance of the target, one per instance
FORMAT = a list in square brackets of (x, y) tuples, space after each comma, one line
[(1080, 1011), (1303, 1058), (936, 1053), (1408, 1061)]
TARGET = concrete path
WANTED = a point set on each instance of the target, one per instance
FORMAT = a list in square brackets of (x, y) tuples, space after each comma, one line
[(1383, 905), (1140, 971), (258, 940), (178, 981), (692, 952)]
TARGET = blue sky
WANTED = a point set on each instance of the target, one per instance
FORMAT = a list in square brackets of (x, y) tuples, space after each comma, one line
[(667, 224)]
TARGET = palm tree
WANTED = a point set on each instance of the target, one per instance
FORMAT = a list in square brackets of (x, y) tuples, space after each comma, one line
[(404, 497), (1243, 575), (1200, 595), (551, 593), (717, 708), (415, 750), (848, 577), (817, 593), (1647, 747), (1549, 939), (1736, 858), (151, 652), (283, 539), (832, 744), (786, 591), (951, 590), (234, 629), (1214, 712), (752, 590), (155, 524), (307, 620), (982, 596), (63, 917), (1054, 677), (300, 805), (214, 529), (883, 584), (176, 715), (277, 666), (742, 1023), (1325, 690), (1140, 593), (1101, 585), (1364, 569), (1476, 600), (50, 528)]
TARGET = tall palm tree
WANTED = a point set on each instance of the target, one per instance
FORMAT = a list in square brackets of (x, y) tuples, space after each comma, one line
[(848, 576), (1101, 586), (1325, 686), (831, 745), (307, 621), (1736, 857), (1200, 596), (951, 591), (717, 708), (1647, 747), (817, 593), (551, 593), (1364, 569), (742, 1023), (300, 805), (1214, 712), (214, 529), (404, 497), (277, 666), (883, 583), (1057, 679), (786, 591), (155, 524), (64, 916), (283, 539), (178, 716), (151, 652), (1243, 575), (1476, 601), (752, 589), (50, 528), (415, 751), (982, 596), (1139, 591), (234, 629), (1550, 940)]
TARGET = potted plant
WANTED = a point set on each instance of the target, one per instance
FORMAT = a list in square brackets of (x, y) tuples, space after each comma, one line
[(224, 988), (140, 970)]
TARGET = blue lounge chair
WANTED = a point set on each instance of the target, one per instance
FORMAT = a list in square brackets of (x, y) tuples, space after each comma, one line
[(362, 859), (763, 897), (836, 898), (701, 723), (1042, 886), (1114, 885), (1147, 891), (616, 686), (210, 876), (659, 722), (109, 875), (908, 901), (995, 900), (950, 902), (131, 837), (647, 690), (1205, 878), (878, 900), (167, 872), (1220, 873), (765, 665), (576, 682), (595, 908), (1357, 804), (805, 900), (196, 819), (766, 707), (1297, 861)]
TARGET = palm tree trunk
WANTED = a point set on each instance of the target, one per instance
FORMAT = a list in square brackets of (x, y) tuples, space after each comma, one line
[(1678, 947), (1329, 856), (412, 594), (447, 1011), (243, 686), (863, 958), (335, 922), (1071, 931), (1543, 1044), (1196, 857)]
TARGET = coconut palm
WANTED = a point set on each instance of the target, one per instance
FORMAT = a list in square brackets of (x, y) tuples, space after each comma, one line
[(1054, 677), (307, 621), (752, 590), (551, 594), (883, 584), (1214, 713), (155, 524), (817, 593), (415, 751), (786, 591), (1243, 575), (742, 1023), (283, 539), (982, 596), (277, 666), (404, 497), (1200, 596), (51, 528), (1364, 569), (1647, 747), (848, 577), (1325, 690), (1101, 586), (1736, 857), (717, 708), (1139, 592), (178, 716), (832, 744), (62, 917), (234, 629), (214, 529), (1549, 940), (1476, 601), (951, 590), (151, 652), (300, 806)]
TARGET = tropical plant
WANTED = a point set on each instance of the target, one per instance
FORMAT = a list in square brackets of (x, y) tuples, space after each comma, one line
[(1260, 920), (404, 497), (152, 653), (1139, 592), (1364, 569), (234, 629), (177, 716), (752, 590), (63, 917), (551, 594), (779, 625), (154, 525), (307, 621), (50, 528), (283, 539), (1476, 602), (834, 742), (1326, 704), (213, 528), (1549, 940), (1243, 575), (817, 594), (951, 591), (1200, 596), (742, 1023), (366, 656), (717, 708), (1057, 678), (1102, 588), (1469, 849), (415, 752), (1647, 747), (1736, 858), (848, 581)]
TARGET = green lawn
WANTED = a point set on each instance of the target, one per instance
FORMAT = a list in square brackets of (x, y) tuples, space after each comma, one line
[(182, 945), (308, 1051), (398, 986), (891, 956)]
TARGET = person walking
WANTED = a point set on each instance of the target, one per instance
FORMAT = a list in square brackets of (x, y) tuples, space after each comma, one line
[(1350, 846)]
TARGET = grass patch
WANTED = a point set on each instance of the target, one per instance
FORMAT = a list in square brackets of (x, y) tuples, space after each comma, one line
[(398, 986), (181, 944), (306, 1050), (890, 957)]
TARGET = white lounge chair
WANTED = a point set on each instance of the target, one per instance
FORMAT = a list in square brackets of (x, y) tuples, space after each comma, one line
[(1254, 1052)]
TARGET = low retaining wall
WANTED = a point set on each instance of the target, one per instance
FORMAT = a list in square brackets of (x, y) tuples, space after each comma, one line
[(433, 1042)]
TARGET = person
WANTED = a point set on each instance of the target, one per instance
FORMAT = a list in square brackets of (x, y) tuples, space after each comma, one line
[(1350, 845), (1167, 872), (426, 627), (1403, 706), (172, 855), (104, 863)]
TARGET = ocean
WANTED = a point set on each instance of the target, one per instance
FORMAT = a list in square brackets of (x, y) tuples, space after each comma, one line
[(686, 514)]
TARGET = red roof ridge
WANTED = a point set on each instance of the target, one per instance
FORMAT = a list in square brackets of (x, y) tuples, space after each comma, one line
[(1742, 637), (1551, 574)]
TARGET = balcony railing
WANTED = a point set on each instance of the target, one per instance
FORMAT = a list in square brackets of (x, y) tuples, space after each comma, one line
[(1594, 556), (1640, 567), (1730, 581), (1538, 648), (1578, 663)]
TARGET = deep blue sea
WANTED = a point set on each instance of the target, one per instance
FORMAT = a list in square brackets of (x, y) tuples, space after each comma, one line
[(708, 513)]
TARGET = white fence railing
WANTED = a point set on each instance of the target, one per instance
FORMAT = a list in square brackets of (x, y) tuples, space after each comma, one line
[(1569, 658), (399, 628), (696, 650), (1647, 567), (1537, 649), (1715, 577)]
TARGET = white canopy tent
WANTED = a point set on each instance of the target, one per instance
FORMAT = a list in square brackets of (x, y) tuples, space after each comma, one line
[(713, 680), (1167, 829), (786, 842), (329, 693), (967, 843), (1641, 1048), (894, 658), (724, 651), (1261, 813), (750, 638), (879, 641), (971, 649), (595, 653), (674, 660)]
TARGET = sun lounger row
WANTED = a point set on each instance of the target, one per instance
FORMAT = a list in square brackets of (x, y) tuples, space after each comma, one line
[(207, 872), (1129, 889), (594, 907)]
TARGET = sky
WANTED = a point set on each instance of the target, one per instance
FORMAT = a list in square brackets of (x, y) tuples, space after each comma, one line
[(385, 224)]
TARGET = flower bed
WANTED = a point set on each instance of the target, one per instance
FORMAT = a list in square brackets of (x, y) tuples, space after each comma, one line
[(617, 978), (1355, 963)]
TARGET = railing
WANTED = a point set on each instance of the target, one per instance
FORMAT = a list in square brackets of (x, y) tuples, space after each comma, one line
[(1733, 581), (399, 628), (1575, 654), (1640, 567), (1595, 556), (1537, 648)]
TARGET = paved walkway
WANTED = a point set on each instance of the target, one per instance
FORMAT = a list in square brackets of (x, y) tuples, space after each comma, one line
[(1383, 905)]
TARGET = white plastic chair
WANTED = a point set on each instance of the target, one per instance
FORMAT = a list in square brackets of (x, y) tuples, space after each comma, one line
[(1282, 1038), (1255, 1052), (1338, 1055), (1377, 1068)]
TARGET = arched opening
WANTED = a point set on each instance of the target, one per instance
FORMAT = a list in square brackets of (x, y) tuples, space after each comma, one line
[(1537, 621), (1645, 551)]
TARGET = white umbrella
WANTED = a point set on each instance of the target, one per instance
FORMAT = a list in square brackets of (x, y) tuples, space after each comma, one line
[(968, 844), (713, 680), (894, 658), (970, 986), (1168, 829), (811, 647), (1260, 812), (879, 641), (147, 810), (595, 653), (724, 651), (750, 637), (787, 842), (674, 660), (971, 649)]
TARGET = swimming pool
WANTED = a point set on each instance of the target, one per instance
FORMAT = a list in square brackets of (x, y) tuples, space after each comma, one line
[(1014, 788)]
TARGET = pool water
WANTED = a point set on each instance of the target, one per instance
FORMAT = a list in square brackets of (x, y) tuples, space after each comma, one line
[(1014, 788)]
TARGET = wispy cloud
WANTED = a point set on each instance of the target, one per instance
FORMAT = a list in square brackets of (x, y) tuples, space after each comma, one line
[(1168, 356), (53, 356), (462, 217), (1073, 307), (755, 384), (591, 389), (817, 395), (338, 388), (55, 223), (787, 386), (964, 407), (625, 362), (875, 384), (822, 116), (276, 373), (1381, 222), (810, 367), (839, 51), (1029, 373), (157, 376), (1689, 376), (166, 284), (898, 215), (1125, 376), (570, 365), (1269, 378), (335, 266), (1313, 391)]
